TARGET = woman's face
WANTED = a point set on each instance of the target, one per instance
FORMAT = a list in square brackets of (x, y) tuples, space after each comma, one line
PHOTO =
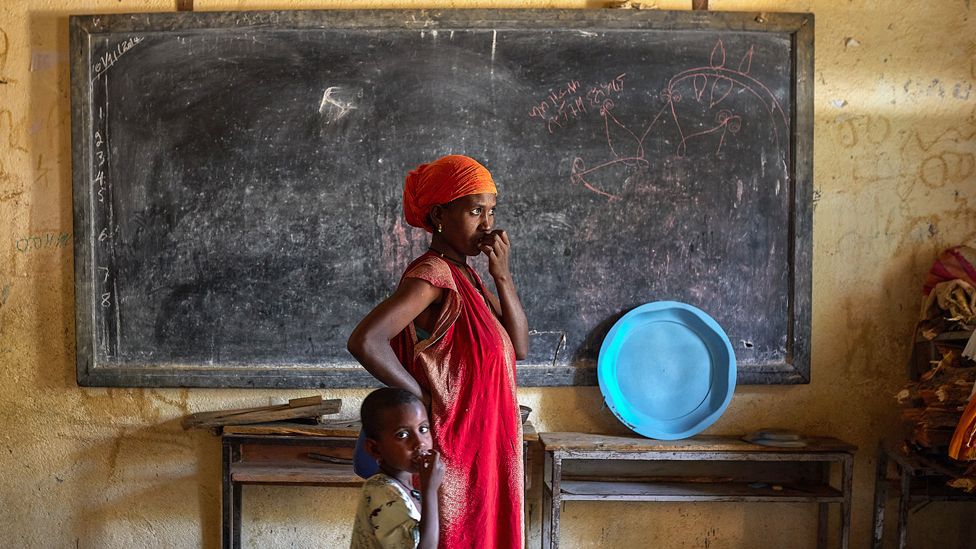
[(466, 221)]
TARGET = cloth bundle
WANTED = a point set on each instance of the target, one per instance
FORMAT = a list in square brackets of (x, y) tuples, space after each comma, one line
[(950, 293), (950, 290)]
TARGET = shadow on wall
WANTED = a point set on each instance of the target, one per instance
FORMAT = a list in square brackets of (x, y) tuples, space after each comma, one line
[(50, 280), (135, 484)]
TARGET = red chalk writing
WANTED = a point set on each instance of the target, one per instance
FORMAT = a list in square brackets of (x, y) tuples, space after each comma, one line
[(572, 101), (714, 119)]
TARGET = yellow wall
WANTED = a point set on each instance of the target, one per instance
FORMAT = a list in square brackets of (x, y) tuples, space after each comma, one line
[(895, 181)]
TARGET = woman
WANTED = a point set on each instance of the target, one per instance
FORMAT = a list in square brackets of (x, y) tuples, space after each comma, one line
[(443, 336)]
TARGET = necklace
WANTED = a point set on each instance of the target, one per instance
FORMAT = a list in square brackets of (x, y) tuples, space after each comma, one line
[(446, 257), (414, 493), (474, 285)]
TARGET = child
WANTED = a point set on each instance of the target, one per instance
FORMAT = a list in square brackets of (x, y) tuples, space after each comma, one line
[(391, 513)]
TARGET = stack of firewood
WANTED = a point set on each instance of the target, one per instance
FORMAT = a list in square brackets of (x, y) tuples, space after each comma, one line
[(940, 404), (935, 402)]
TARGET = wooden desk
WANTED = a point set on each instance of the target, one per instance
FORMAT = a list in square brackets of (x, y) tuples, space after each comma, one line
[(918, 480), (294, 454), (587, 467)]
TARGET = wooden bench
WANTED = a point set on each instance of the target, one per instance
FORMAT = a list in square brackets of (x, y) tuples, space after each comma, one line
[(588, 467), (918, 481), (293, 454)]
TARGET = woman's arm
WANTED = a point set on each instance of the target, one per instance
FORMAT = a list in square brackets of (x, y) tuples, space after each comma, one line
[(508, 305), (369, 342)]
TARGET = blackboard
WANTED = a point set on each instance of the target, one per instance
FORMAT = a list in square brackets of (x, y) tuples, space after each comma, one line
[(237, 181)]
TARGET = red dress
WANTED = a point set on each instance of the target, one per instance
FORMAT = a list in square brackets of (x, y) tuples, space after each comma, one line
[(468, 366)]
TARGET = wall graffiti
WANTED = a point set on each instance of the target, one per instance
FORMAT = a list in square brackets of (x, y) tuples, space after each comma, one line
[(872, 129), (46, 241), (4, 51)]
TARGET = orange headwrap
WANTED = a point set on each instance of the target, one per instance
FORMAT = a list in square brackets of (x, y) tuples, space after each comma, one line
[(440, 182)]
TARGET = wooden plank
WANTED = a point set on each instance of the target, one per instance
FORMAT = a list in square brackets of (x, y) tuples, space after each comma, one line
[(339, 449), (266, 415), (697, 491), (930, 488), (345, 428), (304, 401), (713, 443), (327, 474), (196, 419), (737, 469)]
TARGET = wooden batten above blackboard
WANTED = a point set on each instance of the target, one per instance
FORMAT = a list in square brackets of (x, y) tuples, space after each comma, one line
[(237, 181)]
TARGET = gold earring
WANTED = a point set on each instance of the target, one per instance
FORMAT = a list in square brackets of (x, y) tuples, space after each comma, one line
[(440, 228)]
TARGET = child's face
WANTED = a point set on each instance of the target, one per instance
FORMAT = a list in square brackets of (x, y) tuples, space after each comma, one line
[(404, 438)]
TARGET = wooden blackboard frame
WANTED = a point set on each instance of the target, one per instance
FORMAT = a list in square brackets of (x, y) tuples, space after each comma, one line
[(799, 27)]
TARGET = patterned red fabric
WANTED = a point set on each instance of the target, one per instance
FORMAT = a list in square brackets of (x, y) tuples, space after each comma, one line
[(468, 366)]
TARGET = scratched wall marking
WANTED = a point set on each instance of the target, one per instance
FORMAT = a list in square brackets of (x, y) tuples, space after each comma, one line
[(947, 158), (11, 184), (875, 129), (905, 159), (4, 52), (38, 242)]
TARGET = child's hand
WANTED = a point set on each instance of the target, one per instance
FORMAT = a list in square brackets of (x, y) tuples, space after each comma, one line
[(431, 471)]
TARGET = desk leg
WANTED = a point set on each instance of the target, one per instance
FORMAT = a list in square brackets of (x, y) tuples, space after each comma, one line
[(880, 498), (823, 509), (526, 492), (230, 499), (847, 484), (904, 499), (551, 500)]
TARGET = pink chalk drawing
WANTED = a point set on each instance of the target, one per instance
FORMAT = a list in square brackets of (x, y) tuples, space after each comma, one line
[(626, 148)]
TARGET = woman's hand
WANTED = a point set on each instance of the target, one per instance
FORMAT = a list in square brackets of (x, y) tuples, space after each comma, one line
[(496, 246), (507, 306)]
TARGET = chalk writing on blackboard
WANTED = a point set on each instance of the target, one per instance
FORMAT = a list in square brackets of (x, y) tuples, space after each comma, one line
[(110, 57), (720, 82), (336, 103), (571, 101)]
